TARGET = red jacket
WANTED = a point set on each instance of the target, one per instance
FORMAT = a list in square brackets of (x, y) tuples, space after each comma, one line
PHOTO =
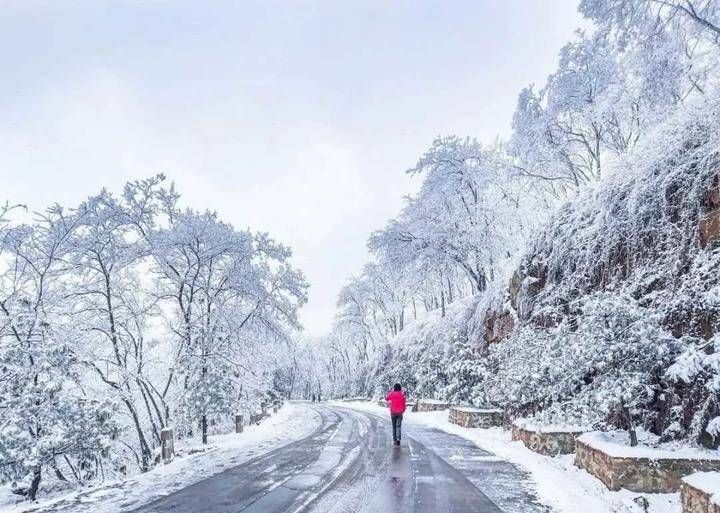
[(397, 401)]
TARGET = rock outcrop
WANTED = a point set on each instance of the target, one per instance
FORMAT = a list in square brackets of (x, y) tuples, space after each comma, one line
[(709, 224), (498, 325)]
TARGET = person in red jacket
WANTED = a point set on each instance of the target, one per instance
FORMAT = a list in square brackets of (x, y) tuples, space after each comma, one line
[(396, 401)]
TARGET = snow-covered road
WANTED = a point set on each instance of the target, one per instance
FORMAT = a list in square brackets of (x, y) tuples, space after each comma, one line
[(318, 458), (348, 465)]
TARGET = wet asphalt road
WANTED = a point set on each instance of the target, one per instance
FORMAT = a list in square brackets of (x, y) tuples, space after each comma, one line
[(349, 465)]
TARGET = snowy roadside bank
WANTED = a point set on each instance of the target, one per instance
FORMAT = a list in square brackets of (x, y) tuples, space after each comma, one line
[(292, 422), (559, 484)]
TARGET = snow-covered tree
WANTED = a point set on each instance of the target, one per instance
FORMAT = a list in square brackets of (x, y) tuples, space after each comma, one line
[(230, 290), (466, 216), (124, 315), (47, 420), (111, 307)]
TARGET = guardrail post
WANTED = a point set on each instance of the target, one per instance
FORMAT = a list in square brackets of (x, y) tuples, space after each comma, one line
[(167, 441)]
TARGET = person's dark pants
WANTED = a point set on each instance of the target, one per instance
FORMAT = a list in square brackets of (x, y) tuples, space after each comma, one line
[(397, 424)]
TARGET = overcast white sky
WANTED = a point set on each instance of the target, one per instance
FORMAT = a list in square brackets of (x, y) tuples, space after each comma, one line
[(297, 117)]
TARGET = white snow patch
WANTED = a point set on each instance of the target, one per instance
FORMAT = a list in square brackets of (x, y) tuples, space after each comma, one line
[(471, 409), (708, 482), (616, 444), (532, 425)]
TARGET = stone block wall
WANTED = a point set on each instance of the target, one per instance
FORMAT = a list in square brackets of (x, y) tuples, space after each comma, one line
[(700, 493), (431, 405), (694, 500), (476, 417), (648, 475), (550, 443)]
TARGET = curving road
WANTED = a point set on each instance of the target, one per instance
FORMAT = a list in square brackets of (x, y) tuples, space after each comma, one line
[(349, 465)]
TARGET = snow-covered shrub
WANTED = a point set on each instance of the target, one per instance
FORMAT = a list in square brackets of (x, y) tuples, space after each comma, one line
[(695, 387), (46, 418), (581, 370)]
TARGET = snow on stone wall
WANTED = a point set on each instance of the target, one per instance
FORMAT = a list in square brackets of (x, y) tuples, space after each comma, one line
[(639, 469)]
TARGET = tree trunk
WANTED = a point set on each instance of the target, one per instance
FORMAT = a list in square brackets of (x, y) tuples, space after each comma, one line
[(35, 484), (58, 473), (144, 448), (72, 469), (204, 429), (629, 424), (482, 282), (155, 430), (149, 393)]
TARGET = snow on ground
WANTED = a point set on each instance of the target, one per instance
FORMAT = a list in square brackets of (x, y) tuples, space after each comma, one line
[(549, 428), (293, 421), (560, 485), (616, 443), (470, 409)]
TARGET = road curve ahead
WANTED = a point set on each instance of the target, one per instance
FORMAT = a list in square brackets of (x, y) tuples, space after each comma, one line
[(349, 465)]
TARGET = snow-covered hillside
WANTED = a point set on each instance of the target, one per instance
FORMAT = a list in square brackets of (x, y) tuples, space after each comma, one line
[(570, 272)]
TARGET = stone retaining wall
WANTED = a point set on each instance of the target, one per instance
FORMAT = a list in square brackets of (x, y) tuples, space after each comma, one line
[(431, 405), (646, 475), (409, 406), (476, 417), (550, 443), (695, 500)]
